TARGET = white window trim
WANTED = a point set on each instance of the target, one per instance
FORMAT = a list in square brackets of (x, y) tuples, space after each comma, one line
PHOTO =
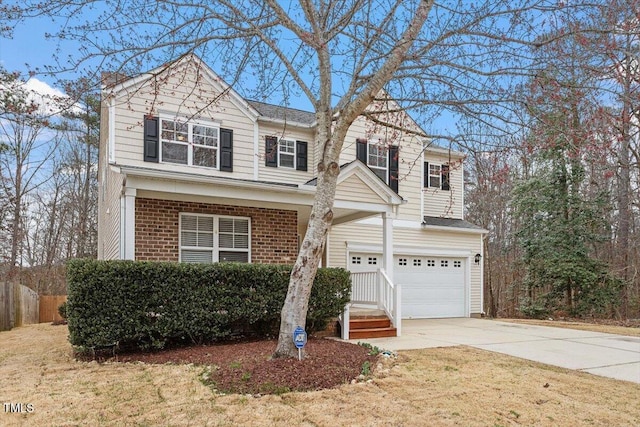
[(294, 154), (215, 250), (189, 143), (386, 168)]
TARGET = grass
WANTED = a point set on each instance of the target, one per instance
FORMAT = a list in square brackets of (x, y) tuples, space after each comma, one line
[(441, 386)]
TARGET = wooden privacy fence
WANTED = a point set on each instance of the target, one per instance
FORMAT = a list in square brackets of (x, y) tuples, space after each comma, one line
[(7, 312), (49, 307), (18, 306)]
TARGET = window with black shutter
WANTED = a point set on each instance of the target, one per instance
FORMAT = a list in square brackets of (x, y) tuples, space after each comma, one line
[(382, 159), (285, 153)]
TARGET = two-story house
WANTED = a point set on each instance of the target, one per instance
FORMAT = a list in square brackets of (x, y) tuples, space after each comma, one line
[(189, 171)]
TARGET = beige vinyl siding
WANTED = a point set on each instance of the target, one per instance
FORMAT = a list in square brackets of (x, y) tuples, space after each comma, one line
[(183, 96), (110, 186), (282, 174), (354, 232), (109, 227), (410, 169), (355, 190), (442, 203)]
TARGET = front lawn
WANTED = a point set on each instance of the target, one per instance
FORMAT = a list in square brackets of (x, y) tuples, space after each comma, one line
[(441, 386)]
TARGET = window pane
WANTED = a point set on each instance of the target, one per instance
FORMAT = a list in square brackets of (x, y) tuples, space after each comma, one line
[(205, 157), (241, 241), (174, 153), (286, 160), (287, 146), (205, 240), (189, 222), (189, 238), (225, 241), (226, 225), (434, 181), (205, 223), (196, 256), (205, 135), (382, 173), (226, 256), (241, 225)]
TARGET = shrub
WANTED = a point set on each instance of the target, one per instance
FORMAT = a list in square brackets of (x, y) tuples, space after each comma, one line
[(150, 304), (62, 310)]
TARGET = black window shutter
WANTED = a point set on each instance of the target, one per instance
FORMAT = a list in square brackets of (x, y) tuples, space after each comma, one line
[(445, 178), (226, 150), (425, 177), (151, 139), (271, 151), (301, 155), (361, 150), (394, 162)]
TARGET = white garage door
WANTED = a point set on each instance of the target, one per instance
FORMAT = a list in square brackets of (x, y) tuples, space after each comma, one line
[(431, 286)]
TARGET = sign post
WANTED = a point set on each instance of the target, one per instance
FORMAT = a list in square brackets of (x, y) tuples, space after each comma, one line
[(300, 340)]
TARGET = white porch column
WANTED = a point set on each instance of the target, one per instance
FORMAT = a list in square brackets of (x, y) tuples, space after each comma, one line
[(129, 229), (387, 243)]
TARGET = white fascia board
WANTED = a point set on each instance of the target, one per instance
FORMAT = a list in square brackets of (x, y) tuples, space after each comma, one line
[(111, 137), (180, 183), (441, 150), (455, 229), (256, 150), (417, 225), (409, 250), (287, 122), (363, 206)]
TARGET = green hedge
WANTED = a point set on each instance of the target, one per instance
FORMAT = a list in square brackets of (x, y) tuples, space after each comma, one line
[(150, 304)]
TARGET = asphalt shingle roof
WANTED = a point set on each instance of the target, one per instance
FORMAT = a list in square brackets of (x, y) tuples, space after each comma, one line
[(278, 112), (449, 222)]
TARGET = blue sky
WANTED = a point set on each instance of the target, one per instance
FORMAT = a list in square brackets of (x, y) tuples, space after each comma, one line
[(29, 45)]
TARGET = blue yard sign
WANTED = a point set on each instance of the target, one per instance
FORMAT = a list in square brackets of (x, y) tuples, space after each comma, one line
[(299, 340)]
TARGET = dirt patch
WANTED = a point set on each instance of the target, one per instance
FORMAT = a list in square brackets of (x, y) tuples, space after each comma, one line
[(247, 367)]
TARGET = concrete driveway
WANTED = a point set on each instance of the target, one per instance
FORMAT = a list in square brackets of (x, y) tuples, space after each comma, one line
[(608, 355)]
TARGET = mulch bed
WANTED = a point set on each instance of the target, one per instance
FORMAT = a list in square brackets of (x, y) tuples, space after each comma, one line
[(247, 367)]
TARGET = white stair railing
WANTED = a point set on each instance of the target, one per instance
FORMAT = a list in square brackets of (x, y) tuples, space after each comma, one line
[(374, 289), (390, 300)]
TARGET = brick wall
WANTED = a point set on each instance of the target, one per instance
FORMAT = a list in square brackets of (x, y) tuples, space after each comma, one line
[(274, 232)]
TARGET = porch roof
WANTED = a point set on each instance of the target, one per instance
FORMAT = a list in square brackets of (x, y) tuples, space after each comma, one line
[(348, 206)]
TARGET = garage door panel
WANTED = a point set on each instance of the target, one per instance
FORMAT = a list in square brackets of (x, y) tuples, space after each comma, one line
[(431, 286)]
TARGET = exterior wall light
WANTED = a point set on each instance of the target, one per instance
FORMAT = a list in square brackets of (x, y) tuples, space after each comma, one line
[(477, 258)]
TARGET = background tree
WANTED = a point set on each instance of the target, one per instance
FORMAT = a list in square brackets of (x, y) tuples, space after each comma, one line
[(432, 57), (28, 144)]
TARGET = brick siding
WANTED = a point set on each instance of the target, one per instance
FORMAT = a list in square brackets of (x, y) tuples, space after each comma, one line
[(274, 232)]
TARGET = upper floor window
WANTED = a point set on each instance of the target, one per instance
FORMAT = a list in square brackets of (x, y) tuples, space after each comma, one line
[(436, 176), (189, 143), (286, 153), (381, 158), (377, 160)]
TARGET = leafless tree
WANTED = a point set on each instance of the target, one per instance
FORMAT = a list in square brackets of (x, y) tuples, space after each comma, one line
[(28, 144), (432, 57)]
